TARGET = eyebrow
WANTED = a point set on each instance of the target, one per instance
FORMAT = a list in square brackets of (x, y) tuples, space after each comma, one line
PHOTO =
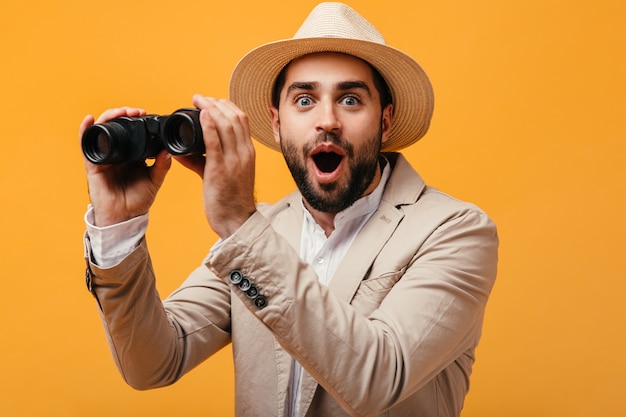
[(301, 85), (354, 85), (342, 86)]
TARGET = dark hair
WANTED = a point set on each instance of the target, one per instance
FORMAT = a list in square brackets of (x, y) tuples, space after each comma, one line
[(379, 83)]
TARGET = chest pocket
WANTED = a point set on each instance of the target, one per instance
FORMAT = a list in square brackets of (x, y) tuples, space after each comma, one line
[(372, 291)]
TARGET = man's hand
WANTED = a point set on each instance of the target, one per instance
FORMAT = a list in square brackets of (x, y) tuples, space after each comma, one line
[(228, 168), (121, 192)]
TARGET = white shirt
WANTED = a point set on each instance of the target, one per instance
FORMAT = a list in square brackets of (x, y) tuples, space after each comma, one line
[(325, 254), (111, 244)]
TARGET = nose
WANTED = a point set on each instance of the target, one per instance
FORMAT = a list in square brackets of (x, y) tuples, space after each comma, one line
[(327, 120)]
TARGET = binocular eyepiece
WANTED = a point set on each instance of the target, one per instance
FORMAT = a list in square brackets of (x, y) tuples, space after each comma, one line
[(128, 139)]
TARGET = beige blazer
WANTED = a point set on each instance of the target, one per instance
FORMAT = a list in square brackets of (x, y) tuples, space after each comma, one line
[(393, 335)]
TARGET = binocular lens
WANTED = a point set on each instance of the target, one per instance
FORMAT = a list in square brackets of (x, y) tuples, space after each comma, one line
[(185, 133), (97, 144), (103, 146), (182, 134)]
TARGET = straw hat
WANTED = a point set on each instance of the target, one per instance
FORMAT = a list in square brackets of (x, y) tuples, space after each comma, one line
[(335, 27)]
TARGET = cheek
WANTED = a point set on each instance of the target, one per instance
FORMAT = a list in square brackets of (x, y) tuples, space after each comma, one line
[(295, 133), (362, 129)]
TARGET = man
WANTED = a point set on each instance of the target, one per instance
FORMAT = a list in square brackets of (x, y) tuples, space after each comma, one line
[(362, 294)]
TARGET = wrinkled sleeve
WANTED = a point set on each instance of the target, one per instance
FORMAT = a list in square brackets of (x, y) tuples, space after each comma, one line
[(154, 342)]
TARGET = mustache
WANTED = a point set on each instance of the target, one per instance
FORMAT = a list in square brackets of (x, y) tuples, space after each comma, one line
[(331, 137), (328, 137)]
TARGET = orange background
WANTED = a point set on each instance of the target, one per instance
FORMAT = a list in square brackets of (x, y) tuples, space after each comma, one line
[(529, 124)]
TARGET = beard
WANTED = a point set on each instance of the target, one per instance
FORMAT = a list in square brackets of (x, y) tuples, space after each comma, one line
[(339, 195)]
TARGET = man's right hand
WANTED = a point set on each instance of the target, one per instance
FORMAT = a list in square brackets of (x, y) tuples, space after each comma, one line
[(121, 192)]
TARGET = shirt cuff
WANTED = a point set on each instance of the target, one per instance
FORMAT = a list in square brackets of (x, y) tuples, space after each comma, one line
[(111, 244)]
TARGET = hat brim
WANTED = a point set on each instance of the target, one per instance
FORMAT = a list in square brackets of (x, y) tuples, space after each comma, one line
[(253, 79)]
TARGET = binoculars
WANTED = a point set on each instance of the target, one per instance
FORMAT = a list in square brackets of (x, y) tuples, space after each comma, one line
[(128, 139)]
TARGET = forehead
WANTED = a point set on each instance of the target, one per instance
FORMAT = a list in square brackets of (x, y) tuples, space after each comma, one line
[(328, 65)]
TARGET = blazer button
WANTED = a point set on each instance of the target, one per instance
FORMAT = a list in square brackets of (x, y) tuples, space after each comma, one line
[(88, 279), (245, 284), (253, 292), (260, 302), (235, 277)]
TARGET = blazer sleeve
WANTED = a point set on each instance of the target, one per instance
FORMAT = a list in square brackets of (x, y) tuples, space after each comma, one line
[(154, 343), (368, 363)]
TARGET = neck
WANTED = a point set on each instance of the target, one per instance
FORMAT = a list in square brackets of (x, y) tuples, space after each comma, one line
[(325, 220)]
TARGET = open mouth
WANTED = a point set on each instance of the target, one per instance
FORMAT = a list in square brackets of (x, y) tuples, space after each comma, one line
[(327, 162)]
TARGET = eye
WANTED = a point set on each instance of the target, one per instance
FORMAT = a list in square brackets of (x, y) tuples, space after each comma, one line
[(350, 101), (304, 101)]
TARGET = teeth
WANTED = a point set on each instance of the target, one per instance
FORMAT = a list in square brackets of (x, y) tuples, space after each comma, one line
[(327, 161)]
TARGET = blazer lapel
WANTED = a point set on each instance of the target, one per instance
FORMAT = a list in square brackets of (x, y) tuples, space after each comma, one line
[(359, 258), (379, 228), (364, 250)]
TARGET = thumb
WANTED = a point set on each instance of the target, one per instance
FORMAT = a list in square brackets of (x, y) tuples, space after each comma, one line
[(160, 168), (193, 162)]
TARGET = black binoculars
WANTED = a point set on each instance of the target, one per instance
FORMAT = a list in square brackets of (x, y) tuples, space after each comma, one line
[(128, 139)]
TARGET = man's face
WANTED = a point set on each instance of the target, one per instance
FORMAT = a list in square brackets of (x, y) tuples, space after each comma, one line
[(330, 127)]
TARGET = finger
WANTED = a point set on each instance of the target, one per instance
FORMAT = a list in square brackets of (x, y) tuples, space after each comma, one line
[(114, 113), (240, 120), (199, 101), (87, 121), (210, 133), (235, 136), (229, 122), (161, 166), (233, 125), (193, 162), (216, 117)]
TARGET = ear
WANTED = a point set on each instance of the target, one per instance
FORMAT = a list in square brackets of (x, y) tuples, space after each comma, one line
[(386, 121), (275, 123)]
